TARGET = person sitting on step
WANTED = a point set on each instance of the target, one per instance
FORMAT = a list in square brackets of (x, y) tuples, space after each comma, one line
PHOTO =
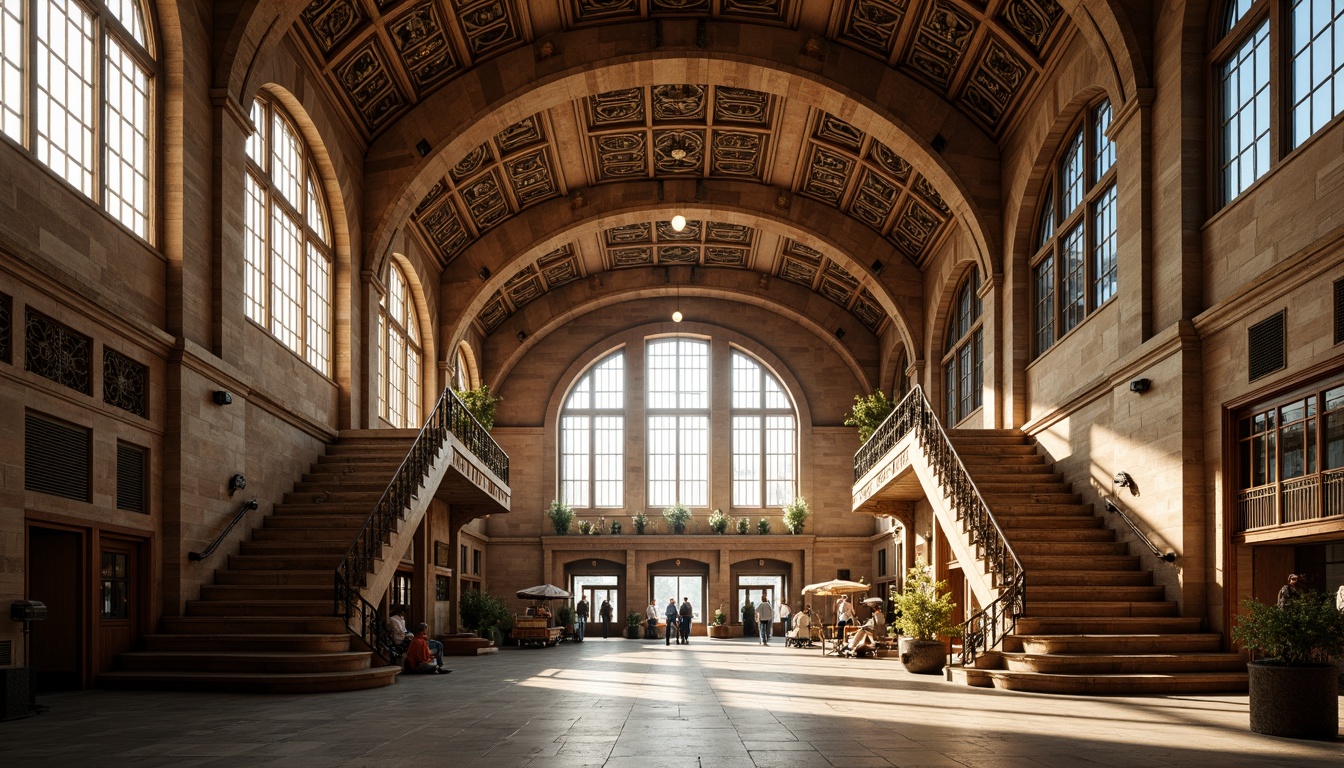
[(421, 657)]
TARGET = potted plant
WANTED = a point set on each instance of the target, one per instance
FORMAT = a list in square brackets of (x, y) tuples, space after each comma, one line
[(795, 514), (869, 412), (1294, 690), (585, 527), (718, 522), (677, 516), (615, 527), (600, 526), (564, 617), (633, 622), (640, 521), (485, 614), (923, 612), (763, 527), (719, 627), (743, 525), (562, 517), (481, 404)]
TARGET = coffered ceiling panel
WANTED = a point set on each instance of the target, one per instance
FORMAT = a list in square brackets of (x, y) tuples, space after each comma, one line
[(699, 243), (556, 268), (808, 267)]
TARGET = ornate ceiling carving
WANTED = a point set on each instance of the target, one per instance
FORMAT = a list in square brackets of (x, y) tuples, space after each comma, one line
[(553, 270), (812, 269), (700, 243)]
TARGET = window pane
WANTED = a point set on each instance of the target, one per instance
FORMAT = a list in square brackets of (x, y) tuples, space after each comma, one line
[(317, 219), (1043, 318), (318, 305), (1071, 287), (254, 251), (1105, 150), (11, 68), (746, 382), (694, 374), (1047, 221), (256, 142), (126, 130), (128, 13), (609, 461), (609, 383), (65, 72), (746, 461), (285, 159), (1071, 167), (286, 281), (779, 460), (1244, 112), (1316, 65), (1103, 253), (694, 464), (662, 460), (574, 460), (592, 465), (1235, 10)]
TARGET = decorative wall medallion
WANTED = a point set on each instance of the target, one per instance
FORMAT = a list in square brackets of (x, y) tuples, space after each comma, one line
[(6, 328), (718, 256), (488, 26), (524, 287), (827, 174), (737, 153), (521, 134), (678, 152), (722, 232), (873, 24), (678, 254), (331, 22), (531, 178), (836, 131), (621, 155), (679, 103), (930, 195), (125, 383), (632, 257), (691, 232), (485, 201), (494, 313), (613, 108), (756, 9), (874, 200), (596, 10), (469, 165), (895, 165), (1032, 20), (941, 41), (739, 105), (630, 233), (55, 352), (867, 310)]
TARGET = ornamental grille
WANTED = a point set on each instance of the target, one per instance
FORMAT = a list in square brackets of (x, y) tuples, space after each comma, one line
[(131, 477), (7, 327), (1339, 311), (56, 458), (1266, 346), (55, 352), (125, 383)]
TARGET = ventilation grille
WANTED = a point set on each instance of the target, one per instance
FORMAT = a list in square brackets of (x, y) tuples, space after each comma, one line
[(6, 653), (7, 326), (1339, 311), (131, 478), (1266, 346), (56, 458)]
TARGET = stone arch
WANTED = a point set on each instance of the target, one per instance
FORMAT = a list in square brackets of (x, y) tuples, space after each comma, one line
[(1121, 43)]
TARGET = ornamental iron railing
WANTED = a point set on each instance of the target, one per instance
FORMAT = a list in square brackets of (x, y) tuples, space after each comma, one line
[(986, 628), (450, 416)]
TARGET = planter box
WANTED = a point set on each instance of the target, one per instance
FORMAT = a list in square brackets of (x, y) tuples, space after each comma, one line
[(719, 632), (1296, 702)]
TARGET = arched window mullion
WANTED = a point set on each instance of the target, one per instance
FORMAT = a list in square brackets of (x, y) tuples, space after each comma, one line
[(591, 437), (963, 374)]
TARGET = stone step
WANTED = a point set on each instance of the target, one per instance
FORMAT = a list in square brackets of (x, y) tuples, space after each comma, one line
[(305, 643), (1039, 608), (312, 534), (371, 450), (298, 548), (305, 521), (284, 562), (322, 682), (987, 470), (1175, 642), (1138, 684), (380, 463), (1049, 548), (245, 662), (1071, 562), (1006, 498), (1046, 535), (1041, 510), (352, 436), (361, 511), (351, 473), (308, 577), (1037, 522), (337, 484), (962, 439), (1043, 578), (266, 592), (1037, 592), (253, 625), (976, 448), (328, 498), (253, 608), (974, 461), (1123, 663), (1107, 625), (1023, 484)]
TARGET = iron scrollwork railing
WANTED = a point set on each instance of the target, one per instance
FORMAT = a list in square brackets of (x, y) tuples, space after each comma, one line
[(450, 416), (986, 628)]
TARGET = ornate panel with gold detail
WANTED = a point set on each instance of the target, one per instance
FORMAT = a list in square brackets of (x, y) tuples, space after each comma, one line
[(996, 78), (1032, 20), (630, 233), (698, 243), (867, 310), (942, 39), (420, 40), (583, 12), (616, 108), (364, 77), (872, 25), (560, 266), (828, 173), (680, 103), (678, 152), (810, 268), (678, 254), (720, 232), (524, 287), (489, 26), (719, 256), (689, 233), (529, 284), (493, 314), (530, 177), (631, 257), (332, 21), (485, 201), (621, 156)]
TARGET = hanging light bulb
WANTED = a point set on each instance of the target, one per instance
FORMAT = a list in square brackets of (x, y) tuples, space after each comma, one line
[(676, 316), (678, 223)]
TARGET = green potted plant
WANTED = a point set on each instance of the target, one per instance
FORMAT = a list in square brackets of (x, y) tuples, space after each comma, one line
[(763, 527), (869, 412), (1294, 689), (640, 521), (600, 527), (923, 612), (795, 514), (564, 617), (615, 527), (719, 627), (677, 517), (718, 522), (485, 614), (633, 621), (562, 517), (585, 527), (481, 404), (743, 525)]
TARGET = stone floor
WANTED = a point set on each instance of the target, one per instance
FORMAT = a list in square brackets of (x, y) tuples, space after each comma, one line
[(622, 703)]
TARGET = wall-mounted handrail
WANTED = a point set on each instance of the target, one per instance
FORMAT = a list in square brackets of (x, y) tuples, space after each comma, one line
[(986, 628), (248, 506), (449, 416), (1166, 557)]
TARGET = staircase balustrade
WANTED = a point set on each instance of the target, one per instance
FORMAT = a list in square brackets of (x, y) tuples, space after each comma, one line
[(450, 416), (987, 628)]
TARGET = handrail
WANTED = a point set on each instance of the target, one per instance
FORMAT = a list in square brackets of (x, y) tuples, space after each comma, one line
[(1166, 557), (987, 628), (449, 416), (248, 506)]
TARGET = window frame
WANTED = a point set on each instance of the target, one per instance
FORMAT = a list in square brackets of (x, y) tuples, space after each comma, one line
[(411, 345), (971, 340), (679, 413), (763, 413), (1054, 226), (592, 413)]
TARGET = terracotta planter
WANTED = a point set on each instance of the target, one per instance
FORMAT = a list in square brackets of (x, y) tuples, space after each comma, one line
[(922, 657), (718, 631), (1300, 702)]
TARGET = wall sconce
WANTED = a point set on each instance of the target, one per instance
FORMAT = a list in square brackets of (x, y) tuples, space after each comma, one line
[(1140, 385), (222, 397), (237, 483), (678, 561), (1123, 480)]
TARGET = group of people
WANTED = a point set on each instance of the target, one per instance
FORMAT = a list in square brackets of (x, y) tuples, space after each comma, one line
[(423, 656), (678, 619)]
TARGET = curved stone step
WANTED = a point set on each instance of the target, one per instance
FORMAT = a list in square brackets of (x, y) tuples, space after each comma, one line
[(266, 592), (1116, 625), (1123, 663), (1137, 684), (1078, 562), (322, 682), (1176, 642), (253, 625), (307, 577), (252, 608), (245, 662), (1086, 594), (1049, 578), (1040, 608), (292, 643), (1026, 549)]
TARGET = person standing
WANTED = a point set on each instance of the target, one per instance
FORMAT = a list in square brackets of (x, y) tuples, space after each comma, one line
[(748, 617), (605, 612), (672, 621), (1290, 591), (844, 614), (785, 617), (581, 619), (685, 615), (651, 623), (765, 618)]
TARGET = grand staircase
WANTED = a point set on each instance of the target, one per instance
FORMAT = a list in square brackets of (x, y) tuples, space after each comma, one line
[(1095, 623)]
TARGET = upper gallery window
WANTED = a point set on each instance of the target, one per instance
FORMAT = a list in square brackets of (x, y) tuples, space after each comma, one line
[(964, 354), (80, 98), (592, 437), (399, 335), (764, 457), (678, 421), (461, 371), (1074, 270), (287, 254), (1249, 82)]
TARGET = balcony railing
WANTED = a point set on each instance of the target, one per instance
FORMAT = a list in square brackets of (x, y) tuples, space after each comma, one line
[(1296, 500)]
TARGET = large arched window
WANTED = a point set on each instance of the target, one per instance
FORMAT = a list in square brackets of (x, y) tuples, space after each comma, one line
[(287, 253), (592, 435), (764, 456), (399, 335), (1249, 88), (963, 358), (678, 421), (82, 101), (1074, 270)]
